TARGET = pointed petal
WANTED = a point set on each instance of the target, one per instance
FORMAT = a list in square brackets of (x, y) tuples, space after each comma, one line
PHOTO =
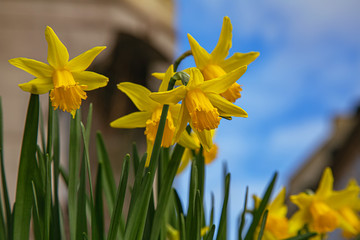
[(184, 118), (139, 95), (35, 68), (159, 76), (83, 61), (238, 60), (185, 159), (149, 148), (326, 184), (169, 97), (187, 141), (302, 200), (224, 44), (37, 86), (201, 56), (175, 111), (58, 55), (196, 77), (298, 220), (132, 120), (91, 79), (205, 138), (221, 84), (165, 83), (224, 107)]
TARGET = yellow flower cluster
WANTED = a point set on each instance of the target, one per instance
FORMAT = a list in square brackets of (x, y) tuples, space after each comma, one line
[(321, 212), (205, 99)]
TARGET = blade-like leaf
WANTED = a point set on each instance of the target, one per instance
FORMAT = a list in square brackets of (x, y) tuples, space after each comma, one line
[(74, 165), (242, 219), (222, 224), (262, 225), (259, 212), (108, 177), (81, 220), (117, 213), (24, 198), (99, 211)]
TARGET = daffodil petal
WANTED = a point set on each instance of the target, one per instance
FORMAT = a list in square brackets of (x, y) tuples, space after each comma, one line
[(201, 56), (159, 76), (35, 68), (224, 44), (37, 86), (205, 138), (83, 61), (149, 148), (224, 107), (326, 184), (58, 55), (185, 159), (175, 111), (298, 220), (168, 74), (182, 122), (238, 60), (139, 95), (91, 79), (302, 200), (187, 141), (221, 84), (132, 120), (196, 77), (169, 97)]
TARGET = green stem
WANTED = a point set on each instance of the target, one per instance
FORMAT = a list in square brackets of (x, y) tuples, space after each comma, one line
[(182, 57)]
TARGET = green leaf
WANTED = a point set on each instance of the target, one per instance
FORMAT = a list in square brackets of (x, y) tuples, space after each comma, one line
[(197, 226), (24, 198), (137, 184), (165, 191), (212, 209), (136, 159), (192, 194), (4, 232), (36, 216), (242, 219), (81, 220), (74, 165), (182, 227), (259, 212), (55, 233), (210, 234), (117, 213), (108, 177), (99, 211), (262, 226), (86, 135), (47, 204), (222, 224)]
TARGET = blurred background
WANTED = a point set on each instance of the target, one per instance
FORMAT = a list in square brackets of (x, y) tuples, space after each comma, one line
[(302, 94)]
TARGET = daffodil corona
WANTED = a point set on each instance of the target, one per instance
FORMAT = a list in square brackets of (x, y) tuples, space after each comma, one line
[(66, 80), (215, 65)]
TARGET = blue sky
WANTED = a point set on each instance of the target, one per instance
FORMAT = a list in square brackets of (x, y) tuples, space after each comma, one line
[(307, 73)]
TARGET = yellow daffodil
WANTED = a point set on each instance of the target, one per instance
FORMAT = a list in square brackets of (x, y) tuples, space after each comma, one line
[(67, 80), (215, 65), (209, 156), (202, 105), (149, 115), (277, 225), (321, 210)]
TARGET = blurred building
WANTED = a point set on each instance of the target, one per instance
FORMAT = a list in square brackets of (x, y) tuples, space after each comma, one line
[(140, 39), (341, 152)]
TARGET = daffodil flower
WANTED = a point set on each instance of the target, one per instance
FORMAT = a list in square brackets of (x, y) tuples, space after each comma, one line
[(215, 65), (277, 225), (201, 104), (149, 115), (209, 156), (321, 210), (66, 80)]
